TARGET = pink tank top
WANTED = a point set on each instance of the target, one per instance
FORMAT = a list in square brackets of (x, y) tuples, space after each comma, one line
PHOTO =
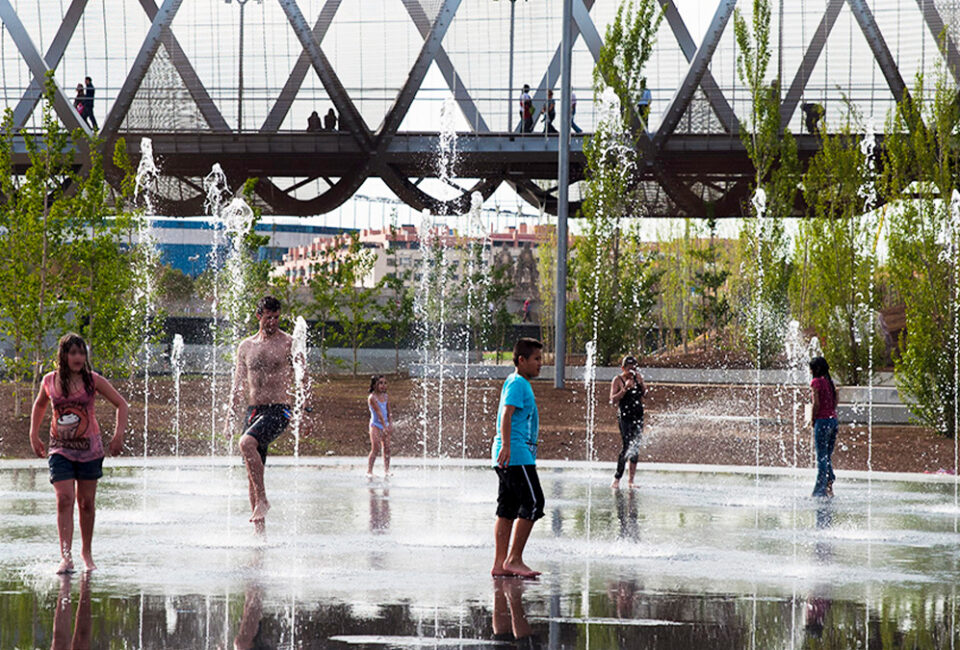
[(74, 431)]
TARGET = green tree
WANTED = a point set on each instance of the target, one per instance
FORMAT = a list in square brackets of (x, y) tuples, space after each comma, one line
[(835, 257), (547, 278), (710, 279), (626, 48), (777, 173), (397, 310), (104, 292), (612, 279), (919, 179), (34, 227), (175, 285), (325, 284), (354, 307), (673, 264), (498, 288)]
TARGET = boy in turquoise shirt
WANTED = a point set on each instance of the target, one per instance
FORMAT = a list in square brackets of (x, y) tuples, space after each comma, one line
[(514, 456)]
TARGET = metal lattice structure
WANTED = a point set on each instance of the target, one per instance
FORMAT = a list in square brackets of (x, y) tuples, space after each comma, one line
[(692, 152)]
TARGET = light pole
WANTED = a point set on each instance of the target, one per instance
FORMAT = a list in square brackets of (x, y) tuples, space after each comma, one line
[(563, 205), (242, 4), (513, 8)]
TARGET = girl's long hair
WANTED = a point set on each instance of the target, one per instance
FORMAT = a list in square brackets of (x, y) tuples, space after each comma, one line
[(373, 382), (820, 368), (67, 342)]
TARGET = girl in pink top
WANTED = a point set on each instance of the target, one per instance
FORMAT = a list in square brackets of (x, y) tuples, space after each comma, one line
[(76, 450), (824, 396)]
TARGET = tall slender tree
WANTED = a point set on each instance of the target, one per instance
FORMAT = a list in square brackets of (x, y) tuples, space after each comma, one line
[(612, 278), (836, 257), (773, 153), (920, 171)]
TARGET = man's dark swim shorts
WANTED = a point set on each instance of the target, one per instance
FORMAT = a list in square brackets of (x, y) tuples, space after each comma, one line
[(265, 423)]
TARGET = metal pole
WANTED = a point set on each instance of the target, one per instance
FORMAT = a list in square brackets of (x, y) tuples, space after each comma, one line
[(563, 205), (242, 4), (513, 7)]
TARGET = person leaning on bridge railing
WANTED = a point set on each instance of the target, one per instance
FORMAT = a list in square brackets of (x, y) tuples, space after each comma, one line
[(330, 121), (812, 114)]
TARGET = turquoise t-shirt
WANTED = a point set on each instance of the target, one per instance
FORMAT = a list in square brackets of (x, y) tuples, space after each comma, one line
[(524, 424)]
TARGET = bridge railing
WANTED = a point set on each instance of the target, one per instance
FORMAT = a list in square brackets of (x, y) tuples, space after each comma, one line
[(173, 109)]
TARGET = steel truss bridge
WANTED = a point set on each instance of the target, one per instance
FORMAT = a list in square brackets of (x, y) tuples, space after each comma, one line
[(174, 72)]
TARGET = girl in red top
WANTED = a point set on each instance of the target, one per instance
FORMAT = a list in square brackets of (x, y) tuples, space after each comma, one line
[(824, 395), (76, 450)]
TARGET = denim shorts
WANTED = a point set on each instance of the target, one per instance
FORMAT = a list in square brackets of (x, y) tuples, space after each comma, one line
[(64, 469)]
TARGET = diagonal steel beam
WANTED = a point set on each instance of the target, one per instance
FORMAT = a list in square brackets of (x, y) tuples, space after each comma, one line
[(62, 105), (698, 66), (721, 107), (809, 62), (349, 114), (939, 30), (139, 68), (581, 16), (54, 55), (888, 66), (294, 82), (431, 45), (678, 191), (553, 70), (189, 76), (459, 89)]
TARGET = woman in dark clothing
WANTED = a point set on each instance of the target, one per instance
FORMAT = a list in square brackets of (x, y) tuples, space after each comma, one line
[(626, 393)]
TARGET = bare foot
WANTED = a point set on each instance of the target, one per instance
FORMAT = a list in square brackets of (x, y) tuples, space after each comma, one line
[(520, 569), (66, 565), (631, 485), (260, 512), (502, 573), (616, 484), (88, 564)]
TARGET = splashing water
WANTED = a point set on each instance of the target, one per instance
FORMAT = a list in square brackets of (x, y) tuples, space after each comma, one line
[(298, 351), (147, 260), (476, 247), (447, 148), (814, 349), (422, 309), (868, 192), (589, 384), (796, 350), (215, 186), (237, 218), (955, 252), (176, 364)]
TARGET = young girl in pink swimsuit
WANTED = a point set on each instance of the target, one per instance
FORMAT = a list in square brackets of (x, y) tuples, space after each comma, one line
[(76, 451)]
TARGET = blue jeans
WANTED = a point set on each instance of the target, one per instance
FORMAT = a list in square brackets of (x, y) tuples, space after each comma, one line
[(825, 437)]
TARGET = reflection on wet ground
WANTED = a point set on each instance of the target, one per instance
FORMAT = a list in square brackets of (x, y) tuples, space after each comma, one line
[(693, 559)]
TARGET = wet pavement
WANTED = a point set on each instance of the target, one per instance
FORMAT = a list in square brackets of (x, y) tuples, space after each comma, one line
[(695, 558)]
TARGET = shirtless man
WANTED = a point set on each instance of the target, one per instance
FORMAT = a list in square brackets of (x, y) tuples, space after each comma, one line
[(264, 378)]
